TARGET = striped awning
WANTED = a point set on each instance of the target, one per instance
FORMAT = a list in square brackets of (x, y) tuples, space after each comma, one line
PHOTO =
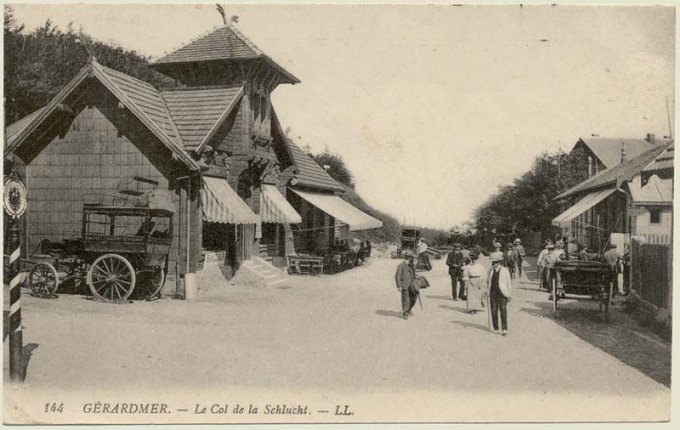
[(341, 210), (564, 219), (221, 203), (274, 208)]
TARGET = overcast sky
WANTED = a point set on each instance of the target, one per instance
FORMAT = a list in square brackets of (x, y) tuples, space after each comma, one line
[(432, 107)]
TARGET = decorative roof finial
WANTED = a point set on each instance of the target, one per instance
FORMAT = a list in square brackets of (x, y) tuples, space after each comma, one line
[(220, 9)]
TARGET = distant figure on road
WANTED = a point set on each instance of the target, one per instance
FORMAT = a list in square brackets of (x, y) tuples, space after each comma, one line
[(613, 258), (509, 259), (455, 260), (474, 276), (549, 267), (405, 276), (497, 252), (540, 264), (518, 255), (500, 282), (423, 257)]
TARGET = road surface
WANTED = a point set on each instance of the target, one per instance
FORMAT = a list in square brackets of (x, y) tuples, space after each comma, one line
[(324, 342)]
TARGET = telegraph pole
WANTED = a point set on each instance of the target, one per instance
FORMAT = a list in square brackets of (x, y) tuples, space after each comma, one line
[(14, 199)]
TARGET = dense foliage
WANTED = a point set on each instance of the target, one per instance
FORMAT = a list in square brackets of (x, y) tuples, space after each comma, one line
[(39, 63), (528, 204), (336, 168)]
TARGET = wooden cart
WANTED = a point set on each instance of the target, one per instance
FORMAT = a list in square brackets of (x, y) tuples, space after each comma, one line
[(123, 249), (581, 279)]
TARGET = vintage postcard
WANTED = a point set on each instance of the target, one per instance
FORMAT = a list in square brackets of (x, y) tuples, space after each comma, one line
[(333, 213)]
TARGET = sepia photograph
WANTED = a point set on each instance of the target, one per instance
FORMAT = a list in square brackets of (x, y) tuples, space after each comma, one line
[(274, 213)]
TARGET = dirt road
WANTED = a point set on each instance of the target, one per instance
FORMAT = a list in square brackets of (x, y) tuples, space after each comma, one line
[(325, 342)]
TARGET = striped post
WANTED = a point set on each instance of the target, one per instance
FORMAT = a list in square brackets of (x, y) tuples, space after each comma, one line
[(16, 344)]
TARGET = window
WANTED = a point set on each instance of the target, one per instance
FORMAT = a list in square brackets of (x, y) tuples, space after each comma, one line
[(655, 216)]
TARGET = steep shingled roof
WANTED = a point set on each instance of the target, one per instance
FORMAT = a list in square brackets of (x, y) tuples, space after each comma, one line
[(141, 98), (663, 161), (309, 173), (17, 127), (197, 112), (147, 98), (224, 43), (622, 172), (608, 150)]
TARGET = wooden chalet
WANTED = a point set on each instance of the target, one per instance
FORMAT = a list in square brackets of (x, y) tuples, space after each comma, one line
[(239, 187), (601, 205)]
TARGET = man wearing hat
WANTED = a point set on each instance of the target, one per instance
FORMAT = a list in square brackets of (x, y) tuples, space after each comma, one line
[(613, 257), (455, 261), (518, 254), (405, 276), (497, 252), (509, 259), (540, 264), (500, 282), (549, 266)]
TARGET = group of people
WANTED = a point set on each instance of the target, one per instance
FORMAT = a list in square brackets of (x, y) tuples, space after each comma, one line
[(554, 252), (512, 256), (470, 281)]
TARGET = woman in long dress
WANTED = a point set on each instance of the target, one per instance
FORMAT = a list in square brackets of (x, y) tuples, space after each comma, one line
[(474, 275)]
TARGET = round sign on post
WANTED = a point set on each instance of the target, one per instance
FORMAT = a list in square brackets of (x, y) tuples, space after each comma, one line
[(14, 196), (14, 199)]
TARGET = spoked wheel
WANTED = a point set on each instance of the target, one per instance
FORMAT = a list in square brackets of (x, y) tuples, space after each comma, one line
[(150, 287), (111, 278), (43, 280)]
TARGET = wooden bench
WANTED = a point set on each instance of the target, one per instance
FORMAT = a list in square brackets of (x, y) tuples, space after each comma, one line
[(305, 264)]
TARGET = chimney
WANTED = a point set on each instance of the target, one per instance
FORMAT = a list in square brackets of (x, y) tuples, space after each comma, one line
[(590, 166), (650, 138), (623, 152)]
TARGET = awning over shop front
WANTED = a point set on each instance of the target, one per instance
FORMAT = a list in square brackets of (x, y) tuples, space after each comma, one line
[(341, 210), (274, 208), (564, 219), (221, 203)]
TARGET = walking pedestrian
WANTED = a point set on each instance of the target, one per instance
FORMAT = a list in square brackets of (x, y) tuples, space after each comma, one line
[(613, 257), (497, 252), (499, 286), (518, 255), (540, 265), (509, 259), (549, 271), (423, 258), (404, 277), (474, 276), (455, 261)]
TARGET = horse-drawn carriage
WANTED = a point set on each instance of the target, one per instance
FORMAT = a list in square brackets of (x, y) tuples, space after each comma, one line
[(408, 240), (583, 279), (122, 252)]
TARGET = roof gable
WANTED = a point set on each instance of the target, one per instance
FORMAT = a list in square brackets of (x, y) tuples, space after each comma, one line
[(309, 173), (223, 43), (608, 150), (141, 98), (198, 113), (614, 175), (656, 191)]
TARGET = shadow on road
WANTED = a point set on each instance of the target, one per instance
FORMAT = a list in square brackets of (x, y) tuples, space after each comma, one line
[(471, 325), (451, 308), (440, 297), (390, 314), (621, 337), (28, 351)]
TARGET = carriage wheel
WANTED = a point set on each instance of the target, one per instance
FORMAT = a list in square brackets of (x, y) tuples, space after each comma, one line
[(150, 288), (111, 278), (43, 280)]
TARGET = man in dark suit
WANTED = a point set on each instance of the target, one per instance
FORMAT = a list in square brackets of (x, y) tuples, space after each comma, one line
[(405, 276), (455, 261)]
